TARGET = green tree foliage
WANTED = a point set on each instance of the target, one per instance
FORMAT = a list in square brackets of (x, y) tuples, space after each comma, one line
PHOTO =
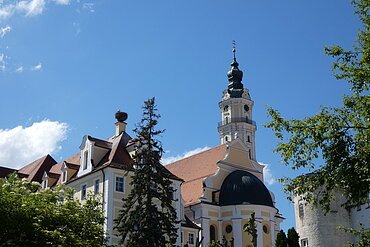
[(340, 136), (363, 236), (281, 240), (251, 228), (30, 217), (141, 222), (293, 238), (224, 243)]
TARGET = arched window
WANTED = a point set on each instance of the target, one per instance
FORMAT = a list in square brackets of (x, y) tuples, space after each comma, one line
[(212, 233)]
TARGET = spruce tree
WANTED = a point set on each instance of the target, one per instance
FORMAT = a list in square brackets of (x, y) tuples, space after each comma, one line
[(293, 238), (281, 240), (147, 218)]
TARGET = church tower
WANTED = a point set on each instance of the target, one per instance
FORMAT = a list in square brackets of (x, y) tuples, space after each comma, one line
[(236, 111)]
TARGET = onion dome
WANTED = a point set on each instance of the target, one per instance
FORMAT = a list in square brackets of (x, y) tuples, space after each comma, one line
[(235, 77), (241, 187)]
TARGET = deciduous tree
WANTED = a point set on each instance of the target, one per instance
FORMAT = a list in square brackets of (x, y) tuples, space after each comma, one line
[(30, 217), (251, 228), (339, 136)]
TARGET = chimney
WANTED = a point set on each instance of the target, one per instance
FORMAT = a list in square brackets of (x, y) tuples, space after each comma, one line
[(120, 127), (120, 124)]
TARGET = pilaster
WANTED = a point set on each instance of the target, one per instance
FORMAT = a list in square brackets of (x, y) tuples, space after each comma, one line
[(205, 231), (237, 232)]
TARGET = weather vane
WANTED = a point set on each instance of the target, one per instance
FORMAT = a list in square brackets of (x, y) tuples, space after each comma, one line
[(234, 45)]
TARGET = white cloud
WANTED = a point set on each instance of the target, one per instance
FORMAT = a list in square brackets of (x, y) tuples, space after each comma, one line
[(2, 62), (19, 69), (172, 159), (26, 7), (21, 145), (89, 7), (31, 8), (268, 178), (37, 67), (62, 2), (7, 11), (4, 31)]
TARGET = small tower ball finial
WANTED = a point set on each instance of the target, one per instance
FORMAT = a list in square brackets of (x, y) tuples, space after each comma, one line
[(121, 116)]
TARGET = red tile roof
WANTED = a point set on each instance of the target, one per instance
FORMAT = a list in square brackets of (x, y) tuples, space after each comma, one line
[(35, 170), (75, 159), (194, 169)]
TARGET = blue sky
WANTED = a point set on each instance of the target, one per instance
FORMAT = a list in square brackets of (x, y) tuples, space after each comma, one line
[(67, 66)]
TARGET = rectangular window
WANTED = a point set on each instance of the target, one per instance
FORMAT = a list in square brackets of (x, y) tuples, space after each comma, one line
[(171, 195), (300, 209), (119, 184), (96, 186), (304, 242), (182, 237), (191, 238), (44, 184), (83, 192), (86, 158), (64, 176)]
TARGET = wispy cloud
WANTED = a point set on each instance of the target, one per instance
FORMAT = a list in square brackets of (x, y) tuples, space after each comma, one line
[(30, 8), (89, 7), (63, 2), (268, 178), (36, 67), (4, 31), (2, 62), (26, 7), (19, 69), (77, 27), (172, 159), (21, 145)]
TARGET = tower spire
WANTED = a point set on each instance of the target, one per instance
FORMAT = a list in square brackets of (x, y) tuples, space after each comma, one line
[(235, 76), (236, 110)]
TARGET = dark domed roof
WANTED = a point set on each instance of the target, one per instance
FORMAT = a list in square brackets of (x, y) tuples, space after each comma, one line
[(241, 187)]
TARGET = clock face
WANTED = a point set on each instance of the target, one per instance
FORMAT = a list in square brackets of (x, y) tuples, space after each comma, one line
[(246, 107)]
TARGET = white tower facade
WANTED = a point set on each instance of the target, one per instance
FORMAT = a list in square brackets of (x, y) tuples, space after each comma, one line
[(236, 108)]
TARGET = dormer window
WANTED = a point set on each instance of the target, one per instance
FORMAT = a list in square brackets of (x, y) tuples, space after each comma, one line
[(86, 155)]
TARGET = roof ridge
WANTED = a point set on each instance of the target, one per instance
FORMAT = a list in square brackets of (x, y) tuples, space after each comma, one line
[(208, 175), (212, 148)]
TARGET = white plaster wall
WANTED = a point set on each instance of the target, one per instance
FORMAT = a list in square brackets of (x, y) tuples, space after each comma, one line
[(361, 215), (320, 229)]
